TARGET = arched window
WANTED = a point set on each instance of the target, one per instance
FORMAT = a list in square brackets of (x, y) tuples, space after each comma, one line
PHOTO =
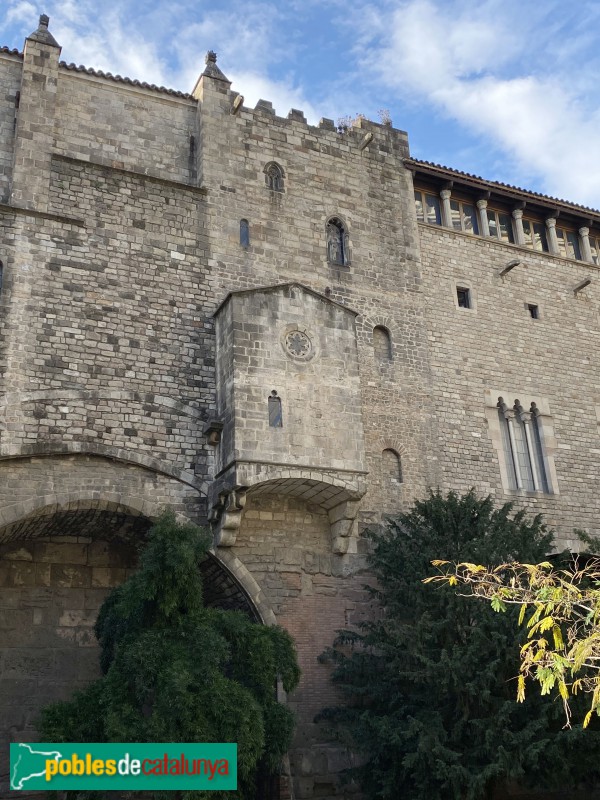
[(391, 467), (275, 415), (274, 177), (244, 233), (523, 447), (337, 242), (382, 344)]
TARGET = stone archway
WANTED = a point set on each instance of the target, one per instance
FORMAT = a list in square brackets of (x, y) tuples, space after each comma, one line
[(57, 564)]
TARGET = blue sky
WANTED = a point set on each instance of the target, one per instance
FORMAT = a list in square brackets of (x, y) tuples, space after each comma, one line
[(506, 89)]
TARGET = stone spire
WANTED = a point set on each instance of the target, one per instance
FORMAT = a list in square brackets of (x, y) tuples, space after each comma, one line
[(211, 70), (42, 34)]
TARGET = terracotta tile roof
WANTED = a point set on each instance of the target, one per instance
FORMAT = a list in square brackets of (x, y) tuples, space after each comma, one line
[(501, 188), (108, 76), (119, 79), (13, 52)]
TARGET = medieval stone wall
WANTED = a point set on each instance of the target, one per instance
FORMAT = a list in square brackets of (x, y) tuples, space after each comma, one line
[(10, 79), (122, 242), (497, 349), (125, 126), (326, 174)]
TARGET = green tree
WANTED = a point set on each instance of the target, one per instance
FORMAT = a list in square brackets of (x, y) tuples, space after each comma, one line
[(428, 686), (176, 671)]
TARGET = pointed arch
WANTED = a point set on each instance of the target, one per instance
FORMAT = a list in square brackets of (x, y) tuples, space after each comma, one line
[(274, 176)]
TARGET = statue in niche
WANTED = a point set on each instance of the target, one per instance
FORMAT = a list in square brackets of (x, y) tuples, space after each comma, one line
[(337, 243)]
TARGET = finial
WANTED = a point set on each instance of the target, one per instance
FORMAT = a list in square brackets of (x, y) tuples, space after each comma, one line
[(211, 70), (42, 34)]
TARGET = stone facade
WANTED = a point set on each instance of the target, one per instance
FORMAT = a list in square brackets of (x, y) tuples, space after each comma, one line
[(178, 328)]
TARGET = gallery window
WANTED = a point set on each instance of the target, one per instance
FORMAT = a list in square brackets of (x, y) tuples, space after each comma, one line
[(428, 208), (534, 234), (500, 225), (568, 243), (595, 248), (464, 217)]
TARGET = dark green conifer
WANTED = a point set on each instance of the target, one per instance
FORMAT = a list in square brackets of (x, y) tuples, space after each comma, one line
[(430, 686)]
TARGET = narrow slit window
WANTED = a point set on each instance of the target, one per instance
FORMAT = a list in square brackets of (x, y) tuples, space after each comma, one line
[(275, 415), (1, 275), (244, 233), (534, 311)]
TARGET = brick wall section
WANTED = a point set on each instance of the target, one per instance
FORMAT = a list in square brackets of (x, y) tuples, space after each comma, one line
[(497, 345), (286, 545)]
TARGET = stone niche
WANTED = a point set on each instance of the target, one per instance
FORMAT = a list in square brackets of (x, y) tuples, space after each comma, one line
[(288, 397)]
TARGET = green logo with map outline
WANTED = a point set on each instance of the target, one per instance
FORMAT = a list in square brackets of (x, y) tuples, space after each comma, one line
[(117, 767)]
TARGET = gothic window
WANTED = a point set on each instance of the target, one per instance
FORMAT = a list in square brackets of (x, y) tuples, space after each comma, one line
[(391, 467), (274, 177), (244, 233), (382, 344), (275, 416), (337, 242), (522, 444)]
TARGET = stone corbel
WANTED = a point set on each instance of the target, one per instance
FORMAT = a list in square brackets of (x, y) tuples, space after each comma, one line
[(212, 430), (226, 516), (342, 520)]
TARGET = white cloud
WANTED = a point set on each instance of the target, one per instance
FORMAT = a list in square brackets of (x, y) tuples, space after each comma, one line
[(472, 65), (21, 11)]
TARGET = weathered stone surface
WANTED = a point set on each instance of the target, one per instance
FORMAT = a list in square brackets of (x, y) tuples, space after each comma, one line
[(120, 210)]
